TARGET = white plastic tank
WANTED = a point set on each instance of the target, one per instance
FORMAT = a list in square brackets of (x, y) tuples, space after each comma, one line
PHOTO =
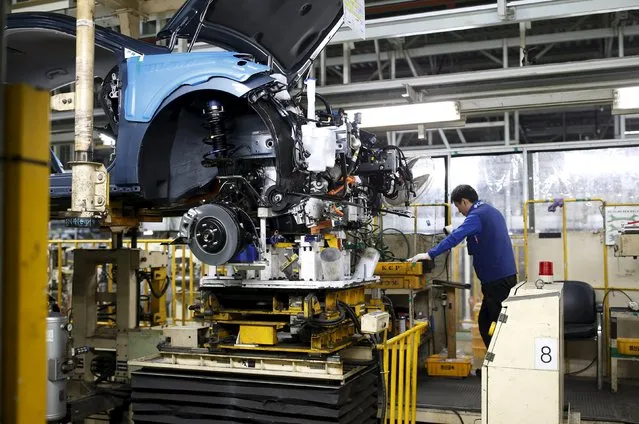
[(331, 264), (57, 337), (365, 268)]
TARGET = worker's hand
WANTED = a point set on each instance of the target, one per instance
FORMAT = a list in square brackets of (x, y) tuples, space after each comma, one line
[(420, 257)]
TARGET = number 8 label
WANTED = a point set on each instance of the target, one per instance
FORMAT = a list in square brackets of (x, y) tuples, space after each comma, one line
[(546, 354)]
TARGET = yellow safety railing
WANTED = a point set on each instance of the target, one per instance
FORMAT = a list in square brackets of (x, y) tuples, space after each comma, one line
[(144, 244), (400, 362)]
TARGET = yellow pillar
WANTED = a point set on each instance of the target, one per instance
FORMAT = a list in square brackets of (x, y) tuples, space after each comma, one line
[(26, 215)]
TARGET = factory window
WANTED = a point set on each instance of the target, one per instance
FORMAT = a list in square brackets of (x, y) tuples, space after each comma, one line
[(610, 174), (430, 219), (498, 180)]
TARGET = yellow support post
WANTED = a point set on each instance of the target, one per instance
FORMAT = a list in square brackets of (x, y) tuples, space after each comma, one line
[(173, 276), (26, 215), (183, 284), (191, 276)]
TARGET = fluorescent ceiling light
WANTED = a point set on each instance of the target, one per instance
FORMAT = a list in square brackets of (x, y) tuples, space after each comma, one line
[(625, 100), (411, 114)]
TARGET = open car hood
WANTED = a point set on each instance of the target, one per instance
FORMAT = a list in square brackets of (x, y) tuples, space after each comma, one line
[(41, 49), (291, 32)]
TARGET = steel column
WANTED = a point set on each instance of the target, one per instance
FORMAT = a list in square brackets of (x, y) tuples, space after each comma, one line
[(393, 65), (444, 138), (346, 54), (26, 215), (322, 79), (379, 62), (504, 53), (622, 118)]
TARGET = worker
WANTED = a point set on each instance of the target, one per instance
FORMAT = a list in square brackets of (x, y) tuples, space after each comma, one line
[(489, 244)]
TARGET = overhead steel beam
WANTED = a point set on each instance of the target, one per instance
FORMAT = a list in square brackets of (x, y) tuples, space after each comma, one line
[(498, 147), (536, 101), (574, 68), (470, 46), (463, 18)]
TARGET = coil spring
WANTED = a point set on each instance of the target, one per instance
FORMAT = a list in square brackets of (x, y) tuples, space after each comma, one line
[(217, 137)]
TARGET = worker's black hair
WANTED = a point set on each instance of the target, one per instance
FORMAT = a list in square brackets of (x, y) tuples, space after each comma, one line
[(464, 191)]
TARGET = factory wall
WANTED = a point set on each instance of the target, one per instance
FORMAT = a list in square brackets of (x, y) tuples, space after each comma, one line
[(585, 263)]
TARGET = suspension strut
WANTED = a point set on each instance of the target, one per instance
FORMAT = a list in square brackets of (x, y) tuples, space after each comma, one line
[(214, 122)]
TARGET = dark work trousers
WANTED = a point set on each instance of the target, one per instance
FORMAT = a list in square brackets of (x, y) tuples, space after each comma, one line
[(495, 292)]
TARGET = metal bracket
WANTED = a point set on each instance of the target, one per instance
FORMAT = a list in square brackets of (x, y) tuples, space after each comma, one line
[(503, 318), (503, 11), (490, 356)]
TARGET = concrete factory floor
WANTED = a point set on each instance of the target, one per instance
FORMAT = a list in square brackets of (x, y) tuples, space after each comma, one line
[(464, 395)]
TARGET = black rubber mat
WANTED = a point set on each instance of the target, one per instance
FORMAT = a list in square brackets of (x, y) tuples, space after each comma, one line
[(189, 397), (582, 394)]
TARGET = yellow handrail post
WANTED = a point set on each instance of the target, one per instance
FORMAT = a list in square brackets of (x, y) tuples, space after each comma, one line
[(191, 274), (183, 284), (400, 384), (417, 336), (408, 351), (173, 276), (393, 384)]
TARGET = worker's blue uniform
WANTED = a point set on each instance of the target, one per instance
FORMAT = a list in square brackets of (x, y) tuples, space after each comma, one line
[(489, 244)]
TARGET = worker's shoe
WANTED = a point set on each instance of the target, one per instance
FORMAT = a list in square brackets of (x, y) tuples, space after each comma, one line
[(478, 372)]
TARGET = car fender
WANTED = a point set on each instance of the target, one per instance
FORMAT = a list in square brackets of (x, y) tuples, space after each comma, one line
[(150, 80)]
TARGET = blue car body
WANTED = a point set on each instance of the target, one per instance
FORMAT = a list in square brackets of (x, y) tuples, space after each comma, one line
[(157, 150)]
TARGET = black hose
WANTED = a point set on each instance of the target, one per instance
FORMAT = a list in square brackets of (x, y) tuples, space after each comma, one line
[(352, 315)]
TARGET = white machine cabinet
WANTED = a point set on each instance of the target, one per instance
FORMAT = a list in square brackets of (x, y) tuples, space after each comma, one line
[(522, 373)]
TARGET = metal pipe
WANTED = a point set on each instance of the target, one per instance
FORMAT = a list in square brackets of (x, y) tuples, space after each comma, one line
[(393, 65), (346, 49), (444, 138), (84, 63), (59, 294), (622, 118), (378, 60), (411, 65), (522, 42)]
